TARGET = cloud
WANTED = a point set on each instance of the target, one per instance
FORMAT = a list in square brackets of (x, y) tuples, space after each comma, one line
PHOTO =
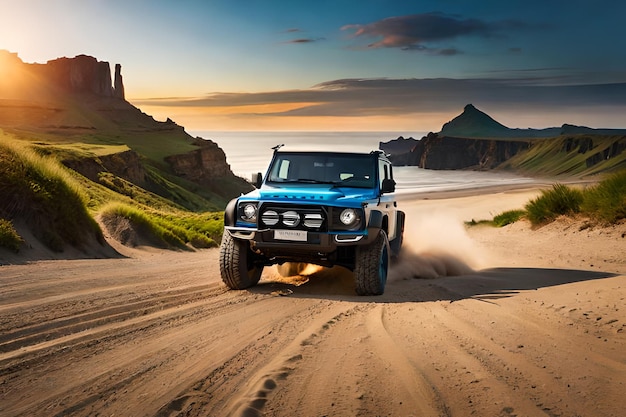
[(305, 40), (449, 51), (415, 32), (357, 97)]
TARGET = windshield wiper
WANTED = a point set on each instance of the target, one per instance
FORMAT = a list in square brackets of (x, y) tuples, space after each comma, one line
[(306, 180), (350, 179), (313, 181)]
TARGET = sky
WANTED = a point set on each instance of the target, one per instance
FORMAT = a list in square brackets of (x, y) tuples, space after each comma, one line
[(343, 65)]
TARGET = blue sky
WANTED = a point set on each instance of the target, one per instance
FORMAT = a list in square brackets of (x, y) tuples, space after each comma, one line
[(343, 65)]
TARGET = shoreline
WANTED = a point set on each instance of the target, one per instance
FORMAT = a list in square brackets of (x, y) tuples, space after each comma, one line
[(469, 191)]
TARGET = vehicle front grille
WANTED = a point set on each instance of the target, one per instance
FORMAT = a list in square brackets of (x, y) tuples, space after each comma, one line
[(270, 218), (313, 220), (294, 217)]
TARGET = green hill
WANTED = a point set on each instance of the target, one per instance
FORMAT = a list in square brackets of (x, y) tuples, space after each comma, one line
[(474, 140), (70, 143), (571, 155)]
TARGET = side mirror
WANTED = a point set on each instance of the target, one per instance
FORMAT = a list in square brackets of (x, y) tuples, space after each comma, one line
[(389, 186), (259, 180)]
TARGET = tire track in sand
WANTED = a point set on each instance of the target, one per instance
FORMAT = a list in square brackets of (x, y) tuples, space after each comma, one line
[(410, 383), (30, 344), (264, 384), (31, 335), (466, 356), (309, 378), (161, 352), (245, 382)]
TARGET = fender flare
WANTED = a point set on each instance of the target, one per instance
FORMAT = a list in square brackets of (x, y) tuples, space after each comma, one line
[(375, 220), (230, 212)]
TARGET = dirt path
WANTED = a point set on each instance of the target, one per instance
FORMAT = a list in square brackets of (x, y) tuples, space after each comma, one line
[(157, 334)]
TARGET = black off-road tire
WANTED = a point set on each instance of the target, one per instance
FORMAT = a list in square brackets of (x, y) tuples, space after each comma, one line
[(237, 265), (372, 266), (396, 244)]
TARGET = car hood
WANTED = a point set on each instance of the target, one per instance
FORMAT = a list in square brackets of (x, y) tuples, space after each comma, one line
[(314, 193)]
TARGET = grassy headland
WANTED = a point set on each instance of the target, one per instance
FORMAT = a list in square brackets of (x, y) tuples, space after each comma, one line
[(576, 155), (59, 205)]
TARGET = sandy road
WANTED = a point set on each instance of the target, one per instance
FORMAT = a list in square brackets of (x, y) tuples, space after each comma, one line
[(157, 334)]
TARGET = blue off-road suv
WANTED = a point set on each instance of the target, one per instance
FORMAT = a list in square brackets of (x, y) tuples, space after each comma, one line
[(324, 208)]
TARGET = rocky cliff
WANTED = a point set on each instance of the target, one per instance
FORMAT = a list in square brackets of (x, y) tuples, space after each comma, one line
[(126, 165), (202, 165), (474, 140), (595, 150), (441, 152), (81, 74), (79, 99)]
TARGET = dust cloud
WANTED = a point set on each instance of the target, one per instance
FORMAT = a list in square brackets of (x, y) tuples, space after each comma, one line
[(436, 245)]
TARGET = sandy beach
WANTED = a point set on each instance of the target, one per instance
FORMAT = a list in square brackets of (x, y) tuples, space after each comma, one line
[(474, 321)]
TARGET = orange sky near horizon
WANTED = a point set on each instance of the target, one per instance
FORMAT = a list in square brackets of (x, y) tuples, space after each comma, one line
[(260, 118)]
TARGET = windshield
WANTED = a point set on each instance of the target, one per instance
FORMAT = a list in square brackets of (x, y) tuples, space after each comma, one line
[(348, 170)]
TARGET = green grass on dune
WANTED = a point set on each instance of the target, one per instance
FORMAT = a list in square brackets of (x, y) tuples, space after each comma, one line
[(9, 238), (604, 203), (60, 205), (170, 229), (40, 191), (508, 217), (557, 201)]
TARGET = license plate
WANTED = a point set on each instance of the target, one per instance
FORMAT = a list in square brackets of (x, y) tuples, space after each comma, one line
[(295, 235)]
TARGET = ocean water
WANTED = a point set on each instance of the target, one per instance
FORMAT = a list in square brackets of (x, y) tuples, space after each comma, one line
[(250, 152)]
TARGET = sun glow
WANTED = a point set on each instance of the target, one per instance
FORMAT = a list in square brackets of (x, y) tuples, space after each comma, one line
[(17, 82), (276, 117), (260, 118), (258, 109)]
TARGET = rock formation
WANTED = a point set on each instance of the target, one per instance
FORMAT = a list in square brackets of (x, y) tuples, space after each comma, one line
[(202, 165), (441, 152), (118, 86), (126, 165), (82, 74), (473, 123)]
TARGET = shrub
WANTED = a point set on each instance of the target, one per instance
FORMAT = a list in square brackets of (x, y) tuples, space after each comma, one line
[(508, 217), (560, 200), (606, 201), (9, 238)]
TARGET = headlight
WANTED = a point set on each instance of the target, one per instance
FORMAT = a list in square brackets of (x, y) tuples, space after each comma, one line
[(348, 217), (248, 212)]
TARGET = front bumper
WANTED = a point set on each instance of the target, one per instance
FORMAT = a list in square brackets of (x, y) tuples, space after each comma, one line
[(310, 241), (325, 249)]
